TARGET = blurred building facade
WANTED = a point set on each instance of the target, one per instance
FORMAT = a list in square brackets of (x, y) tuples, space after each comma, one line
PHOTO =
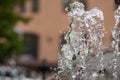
[(48, 23)]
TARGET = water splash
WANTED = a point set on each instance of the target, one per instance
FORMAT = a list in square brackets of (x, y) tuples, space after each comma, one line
[(82, 57), (115, 43), (94, 21), (86, 30)]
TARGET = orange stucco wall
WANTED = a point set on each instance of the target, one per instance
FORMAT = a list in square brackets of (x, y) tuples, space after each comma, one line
[(51, 20)]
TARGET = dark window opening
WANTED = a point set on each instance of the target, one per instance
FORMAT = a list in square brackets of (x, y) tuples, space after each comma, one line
[(31, 45), (22, 7), (35, 5), (117, 3), (84, 3), (66, 4), (62, 40)]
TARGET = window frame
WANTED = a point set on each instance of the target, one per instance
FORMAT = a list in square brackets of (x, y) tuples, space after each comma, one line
[(84, 3), (22, 7), (35, 5), (66, 4), (33, 53)]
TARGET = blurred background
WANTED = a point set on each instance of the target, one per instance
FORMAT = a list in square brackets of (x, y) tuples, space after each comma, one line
[(32, 32)]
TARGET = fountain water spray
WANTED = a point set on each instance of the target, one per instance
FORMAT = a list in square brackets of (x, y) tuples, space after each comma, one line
[(82, 57), (115, 42)]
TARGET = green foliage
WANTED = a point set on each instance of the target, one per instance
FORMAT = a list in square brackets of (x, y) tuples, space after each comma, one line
[(10, 42)]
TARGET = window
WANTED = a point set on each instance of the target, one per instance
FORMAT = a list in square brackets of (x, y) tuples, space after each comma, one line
[(84, 2), (66, 3), (22, 7), (62, 40), (31, 45), (35, 5), (117, 3)]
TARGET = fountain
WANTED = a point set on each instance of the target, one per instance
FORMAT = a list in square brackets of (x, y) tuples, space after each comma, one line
[(83, 57)]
